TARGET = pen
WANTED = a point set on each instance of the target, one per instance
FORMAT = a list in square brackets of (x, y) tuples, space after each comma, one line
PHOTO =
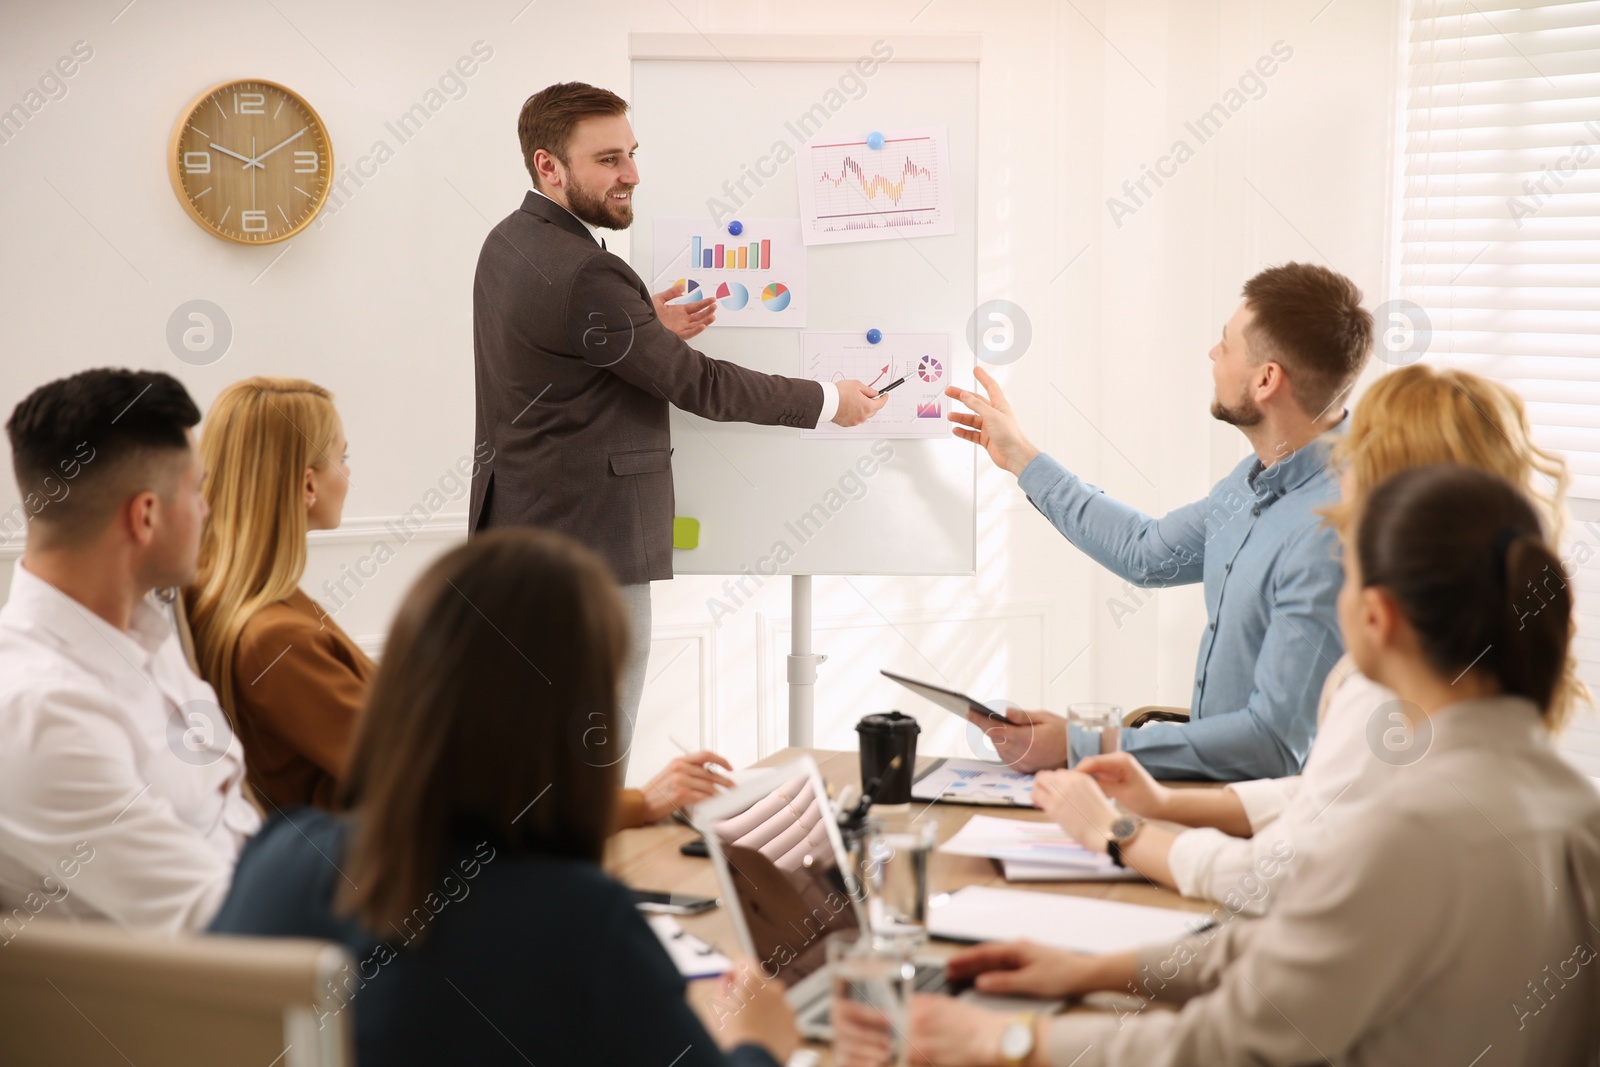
[(898, 381)]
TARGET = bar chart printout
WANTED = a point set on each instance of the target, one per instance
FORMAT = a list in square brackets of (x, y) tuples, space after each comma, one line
[(850, 191), (757, 278)]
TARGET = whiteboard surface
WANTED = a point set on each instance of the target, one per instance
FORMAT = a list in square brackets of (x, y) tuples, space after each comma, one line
[(768, 502)]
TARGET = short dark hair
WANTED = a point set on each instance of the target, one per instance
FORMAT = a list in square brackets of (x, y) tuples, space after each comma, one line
[(82, 445), (1462, 553), (549, 116), (1309, 319), (498, 683)]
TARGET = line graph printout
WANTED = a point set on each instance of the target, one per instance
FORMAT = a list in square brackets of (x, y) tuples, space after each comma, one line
[(758, 278), (915, 409), (850, 191)]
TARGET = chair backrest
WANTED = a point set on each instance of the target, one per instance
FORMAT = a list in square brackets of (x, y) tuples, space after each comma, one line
[(93, 995)]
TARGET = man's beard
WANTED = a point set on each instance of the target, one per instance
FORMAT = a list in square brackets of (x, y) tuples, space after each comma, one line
[(598, 209), (1245, 413)]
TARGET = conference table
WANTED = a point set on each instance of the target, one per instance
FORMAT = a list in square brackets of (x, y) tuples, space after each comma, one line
[(648, 858)]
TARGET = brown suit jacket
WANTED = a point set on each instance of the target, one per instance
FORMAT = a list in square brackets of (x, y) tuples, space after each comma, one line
[(574, 372)]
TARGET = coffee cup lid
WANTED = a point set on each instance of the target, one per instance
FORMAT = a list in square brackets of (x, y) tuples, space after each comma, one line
[(895, 722)]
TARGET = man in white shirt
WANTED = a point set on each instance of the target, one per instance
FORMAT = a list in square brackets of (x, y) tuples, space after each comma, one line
[(119, 779)]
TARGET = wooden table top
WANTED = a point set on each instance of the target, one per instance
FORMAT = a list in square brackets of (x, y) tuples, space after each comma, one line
[(648, 858)]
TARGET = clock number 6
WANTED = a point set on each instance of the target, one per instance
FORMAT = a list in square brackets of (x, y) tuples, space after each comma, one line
[(254, 221)]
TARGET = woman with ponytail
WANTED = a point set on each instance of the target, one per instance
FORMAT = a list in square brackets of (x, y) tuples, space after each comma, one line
[(1455, 911)]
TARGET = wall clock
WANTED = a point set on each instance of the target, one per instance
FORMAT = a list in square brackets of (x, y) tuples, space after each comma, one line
[(250, 161)]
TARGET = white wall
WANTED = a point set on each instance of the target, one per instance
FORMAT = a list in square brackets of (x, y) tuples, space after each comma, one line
[(375, 301)]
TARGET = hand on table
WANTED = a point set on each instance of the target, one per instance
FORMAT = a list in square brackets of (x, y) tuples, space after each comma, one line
[(1032, 741), (992, 424), (747, 1008), (685, 320), (683, 783), (1024, 968)]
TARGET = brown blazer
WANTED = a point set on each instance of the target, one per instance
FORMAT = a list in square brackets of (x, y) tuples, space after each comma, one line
[(298, 686), (574, 372)]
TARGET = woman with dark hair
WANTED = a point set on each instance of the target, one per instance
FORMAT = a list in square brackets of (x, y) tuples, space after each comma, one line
[(465, 878), (1457, 910)]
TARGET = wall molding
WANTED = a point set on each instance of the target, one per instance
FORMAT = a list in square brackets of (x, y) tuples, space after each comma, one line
[(704, 635)]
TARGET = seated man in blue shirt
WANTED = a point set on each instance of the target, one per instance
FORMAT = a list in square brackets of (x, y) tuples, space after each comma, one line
[(1287, 359)]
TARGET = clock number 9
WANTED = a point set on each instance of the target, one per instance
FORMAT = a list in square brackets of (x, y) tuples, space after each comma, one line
[(305, 162), (197, 162), (249, 103), (253, 221)]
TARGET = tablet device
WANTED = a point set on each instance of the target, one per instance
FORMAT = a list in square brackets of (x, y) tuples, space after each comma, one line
[(948, 699)]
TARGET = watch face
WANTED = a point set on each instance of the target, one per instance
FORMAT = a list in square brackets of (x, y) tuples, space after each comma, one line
[(1123, 829), (1016, 1041)]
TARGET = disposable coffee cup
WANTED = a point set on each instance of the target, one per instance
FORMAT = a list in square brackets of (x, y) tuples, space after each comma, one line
[(883, 736)]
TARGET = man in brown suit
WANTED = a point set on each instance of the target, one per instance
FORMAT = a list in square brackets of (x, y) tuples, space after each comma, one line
[(576, 363)]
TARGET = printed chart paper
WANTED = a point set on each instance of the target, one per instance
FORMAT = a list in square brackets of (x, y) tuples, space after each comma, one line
[(758, 278), (915, 408), (850, 191)]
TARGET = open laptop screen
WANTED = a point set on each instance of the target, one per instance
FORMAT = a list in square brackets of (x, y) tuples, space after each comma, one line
[(786, 879)]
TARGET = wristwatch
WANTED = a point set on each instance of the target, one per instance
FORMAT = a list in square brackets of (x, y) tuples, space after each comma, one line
[(1016, 1041), (1123, 830)]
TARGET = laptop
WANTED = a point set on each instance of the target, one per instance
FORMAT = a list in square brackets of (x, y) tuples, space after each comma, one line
[(786, 881)]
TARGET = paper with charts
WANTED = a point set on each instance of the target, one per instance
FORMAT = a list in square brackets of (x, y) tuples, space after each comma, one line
[(915, 409), (758, 278), (850, 191)]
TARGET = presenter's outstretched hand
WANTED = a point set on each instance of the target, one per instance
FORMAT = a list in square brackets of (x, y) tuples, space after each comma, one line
[(857, 403), (685, 320), (992, 424)]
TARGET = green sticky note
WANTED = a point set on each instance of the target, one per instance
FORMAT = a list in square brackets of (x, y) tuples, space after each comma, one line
[(685, 533)]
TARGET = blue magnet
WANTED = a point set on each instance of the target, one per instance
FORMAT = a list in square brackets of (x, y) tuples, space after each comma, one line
[(874, 336), (874, 140), (736, 227)]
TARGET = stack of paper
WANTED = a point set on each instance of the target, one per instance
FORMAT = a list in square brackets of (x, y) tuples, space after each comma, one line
[(1033, 851), (1081, 924)]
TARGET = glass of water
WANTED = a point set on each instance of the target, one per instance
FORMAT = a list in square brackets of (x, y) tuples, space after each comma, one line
[(871, 1005), (894, 873), (1104, 719)]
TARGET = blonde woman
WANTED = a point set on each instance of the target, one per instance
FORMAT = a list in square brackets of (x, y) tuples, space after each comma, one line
[(291, 680), (1247, 837)]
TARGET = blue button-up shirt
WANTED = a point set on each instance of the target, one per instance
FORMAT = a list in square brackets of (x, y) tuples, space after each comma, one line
[(1272, 574)]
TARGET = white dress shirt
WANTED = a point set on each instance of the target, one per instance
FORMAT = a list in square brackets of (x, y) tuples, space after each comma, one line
[(1287, 813), (830, 390), (119, 779)]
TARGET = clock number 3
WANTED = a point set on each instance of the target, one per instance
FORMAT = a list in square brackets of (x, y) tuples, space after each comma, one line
[(305, 162), (249, 103)]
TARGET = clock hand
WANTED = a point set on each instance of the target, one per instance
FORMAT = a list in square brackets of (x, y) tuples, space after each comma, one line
[(248, 162), (274, 148)]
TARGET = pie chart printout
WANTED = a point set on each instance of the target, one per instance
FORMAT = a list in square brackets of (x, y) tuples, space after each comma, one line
[(775, 297), (732, 296)]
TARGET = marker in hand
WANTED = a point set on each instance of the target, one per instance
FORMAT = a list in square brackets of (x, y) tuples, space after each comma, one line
[(898, 381)]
